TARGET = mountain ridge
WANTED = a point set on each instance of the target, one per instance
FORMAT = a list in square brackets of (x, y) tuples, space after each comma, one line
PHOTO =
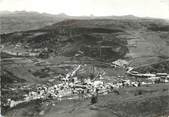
[(24, 20)]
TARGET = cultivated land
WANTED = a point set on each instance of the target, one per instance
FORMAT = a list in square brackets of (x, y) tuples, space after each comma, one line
[(82, 50)]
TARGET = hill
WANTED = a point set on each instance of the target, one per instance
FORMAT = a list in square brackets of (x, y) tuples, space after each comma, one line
[(22, 20), (139, 40)]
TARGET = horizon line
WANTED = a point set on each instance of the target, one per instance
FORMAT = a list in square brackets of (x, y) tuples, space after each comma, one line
[(90, 15)]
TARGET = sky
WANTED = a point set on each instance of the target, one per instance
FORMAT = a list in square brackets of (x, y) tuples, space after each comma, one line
[(141, 8)]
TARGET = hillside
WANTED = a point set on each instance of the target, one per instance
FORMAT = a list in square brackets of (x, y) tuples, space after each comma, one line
[(138, 40), (22, 20)]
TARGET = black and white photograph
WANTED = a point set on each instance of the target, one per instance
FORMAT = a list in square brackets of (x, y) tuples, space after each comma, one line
[(84, 58)]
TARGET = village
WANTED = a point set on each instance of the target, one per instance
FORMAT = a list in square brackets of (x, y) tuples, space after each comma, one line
[(72, 87)]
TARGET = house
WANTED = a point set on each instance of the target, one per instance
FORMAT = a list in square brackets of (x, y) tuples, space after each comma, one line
[(33, 54), (146, 75), (161, 74), (154, 78), (168, 77), (18, 45)]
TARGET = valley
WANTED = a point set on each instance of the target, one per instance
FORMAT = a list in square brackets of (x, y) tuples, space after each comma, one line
[(59, 69)]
